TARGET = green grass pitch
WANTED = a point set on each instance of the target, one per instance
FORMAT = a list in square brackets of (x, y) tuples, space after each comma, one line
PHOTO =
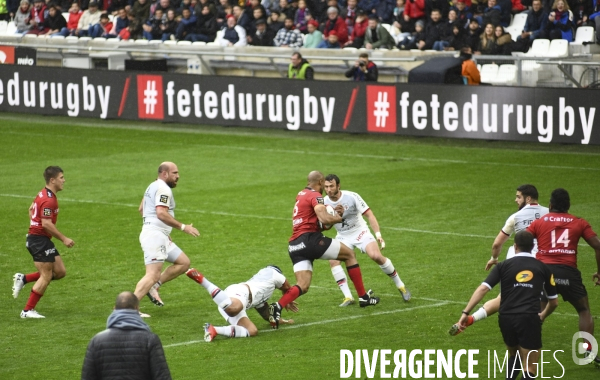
[(440, 204)]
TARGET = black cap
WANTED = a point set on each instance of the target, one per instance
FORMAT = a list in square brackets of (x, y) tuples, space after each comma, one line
[(93, 4), (260, 21)]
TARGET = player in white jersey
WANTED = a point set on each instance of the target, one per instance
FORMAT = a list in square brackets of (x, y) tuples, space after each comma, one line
[(529, 210), (354, 233), (237, 298), (157, 209)]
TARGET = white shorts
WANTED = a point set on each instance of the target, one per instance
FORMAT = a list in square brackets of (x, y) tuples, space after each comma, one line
[(359, 239), (158, 247), (240, 292), (331, 253)]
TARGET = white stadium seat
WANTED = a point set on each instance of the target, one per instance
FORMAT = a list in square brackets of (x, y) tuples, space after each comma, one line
[(558, 49), (584, 34), (506, 76), (3, 27), (489, 72)]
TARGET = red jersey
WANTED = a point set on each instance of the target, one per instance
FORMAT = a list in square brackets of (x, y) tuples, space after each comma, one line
[(557, 236), (304, 218), (45, 206)]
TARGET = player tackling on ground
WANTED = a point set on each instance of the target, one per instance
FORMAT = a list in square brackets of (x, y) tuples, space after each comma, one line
[(237, 298), (43, 214), (354, 233), (158, 212), (558, 234), (308, 244), (529, 210)]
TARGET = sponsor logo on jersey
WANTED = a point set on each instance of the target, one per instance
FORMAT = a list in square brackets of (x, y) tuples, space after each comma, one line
[(296, 247), (552, 282), (297, 221), (320, 200), (47, 211), (524, 276), (49, 193), (164, 198)]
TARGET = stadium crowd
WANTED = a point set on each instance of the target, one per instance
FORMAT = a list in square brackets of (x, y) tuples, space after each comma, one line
[(327, 24)]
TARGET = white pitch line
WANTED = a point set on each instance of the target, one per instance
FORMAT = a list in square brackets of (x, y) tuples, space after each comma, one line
[(257, 216), (300, 325)]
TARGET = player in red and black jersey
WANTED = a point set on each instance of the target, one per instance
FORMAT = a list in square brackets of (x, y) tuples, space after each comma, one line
[(308, 244), (558, 234), (43, 213)]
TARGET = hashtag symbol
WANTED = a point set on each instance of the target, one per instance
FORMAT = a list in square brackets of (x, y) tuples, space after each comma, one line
[(381, 109), (150, 94)]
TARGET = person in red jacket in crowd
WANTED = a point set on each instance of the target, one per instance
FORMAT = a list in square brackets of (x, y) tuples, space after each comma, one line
[(37, 14), (334, 22), (74, 16), (361, 23), (414, 10)]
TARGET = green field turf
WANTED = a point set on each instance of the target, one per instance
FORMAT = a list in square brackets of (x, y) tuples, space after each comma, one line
[(440, 204)]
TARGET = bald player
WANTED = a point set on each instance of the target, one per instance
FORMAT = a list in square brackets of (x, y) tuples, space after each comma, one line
[(158, 212), (308, 244)]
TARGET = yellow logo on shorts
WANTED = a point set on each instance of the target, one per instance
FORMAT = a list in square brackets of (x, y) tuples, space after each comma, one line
[(524, 276)]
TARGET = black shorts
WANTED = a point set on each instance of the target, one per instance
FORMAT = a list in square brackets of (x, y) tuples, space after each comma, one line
[(523, 330), (309, 246), (42, 248), (568, 282)]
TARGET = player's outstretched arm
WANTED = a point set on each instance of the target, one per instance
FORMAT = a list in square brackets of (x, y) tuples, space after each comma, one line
[(50, 228), (496, 249), (594, 242), (162, 213)]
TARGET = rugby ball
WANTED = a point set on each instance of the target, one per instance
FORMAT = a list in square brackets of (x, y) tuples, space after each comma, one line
[(330, 211)]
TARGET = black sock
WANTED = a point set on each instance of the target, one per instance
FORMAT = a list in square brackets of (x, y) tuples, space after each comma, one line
[(510, 374)]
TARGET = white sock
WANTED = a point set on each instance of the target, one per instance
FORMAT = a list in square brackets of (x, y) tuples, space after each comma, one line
[(340, 277), (388, 268), (232, 331), (479, 315), (219, 297)]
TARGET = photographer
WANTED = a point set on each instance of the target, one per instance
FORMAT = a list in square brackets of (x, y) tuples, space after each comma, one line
[(363, 70)]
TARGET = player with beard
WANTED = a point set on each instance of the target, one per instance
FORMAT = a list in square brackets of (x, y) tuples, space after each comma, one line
[(354, 232), (157, 209), (529, 211)]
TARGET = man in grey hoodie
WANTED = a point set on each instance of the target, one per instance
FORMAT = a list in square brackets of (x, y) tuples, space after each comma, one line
[(127, 349)]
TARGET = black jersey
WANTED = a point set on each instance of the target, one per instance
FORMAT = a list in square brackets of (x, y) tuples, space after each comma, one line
[(522, 280)]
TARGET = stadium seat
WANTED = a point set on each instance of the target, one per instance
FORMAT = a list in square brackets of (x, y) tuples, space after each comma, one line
[(169, 42), (558, 49), (506, 76), (85, 39), (11, 29), (584, 34), (72, 39), (184, 42), (141, 42), (3, 27), (516, 26), (155, 42), (387, 27), (199, 43), (489, 72), (66, 16), (539, 48)]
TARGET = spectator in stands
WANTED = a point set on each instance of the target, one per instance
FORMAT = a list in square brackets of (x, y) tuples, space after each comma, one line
[(376, 36), (432, 31), (314, 36), (233, 34), (534, 26), (443, 6), (187, 24), (71, 25), (334, 4), (119, 23), (363, 70), (369, 6), (414, 10), (89, 18), (163, 5), (185, 4), (581, 10), (299, 68), (102, 28), (257, 14), (446, 32), (560, 22), (169, 27), (458, 40), (505, 11), (517, 7), (206, 26), (350, 15), (141, 10), (116, 5), (385, 11), (336, 23), (4, 14), (288, 36), (504, 42), (357, 37), (222, 12), (487, 41), (595, 19), (273, 23), (463, 13), (492, 14), (300, 18), (22, 17), (151, 29), (201, 4), (286, 10), (318, 9), (37, 15), (469, 68), (262, 36), (241, 18), (412, 41), (54, 22), (473, 34), (11, 9), (401, 28)]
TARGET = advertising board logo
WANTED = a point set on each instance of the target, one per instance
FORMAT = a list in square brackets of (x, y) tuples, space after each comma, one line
[(150, 97), (381, 109), (7, 55)]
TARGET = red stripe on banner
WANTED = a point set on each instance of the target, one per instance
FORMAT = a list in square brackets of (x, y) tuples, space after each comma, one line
[(351, 107), (124, 97)]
